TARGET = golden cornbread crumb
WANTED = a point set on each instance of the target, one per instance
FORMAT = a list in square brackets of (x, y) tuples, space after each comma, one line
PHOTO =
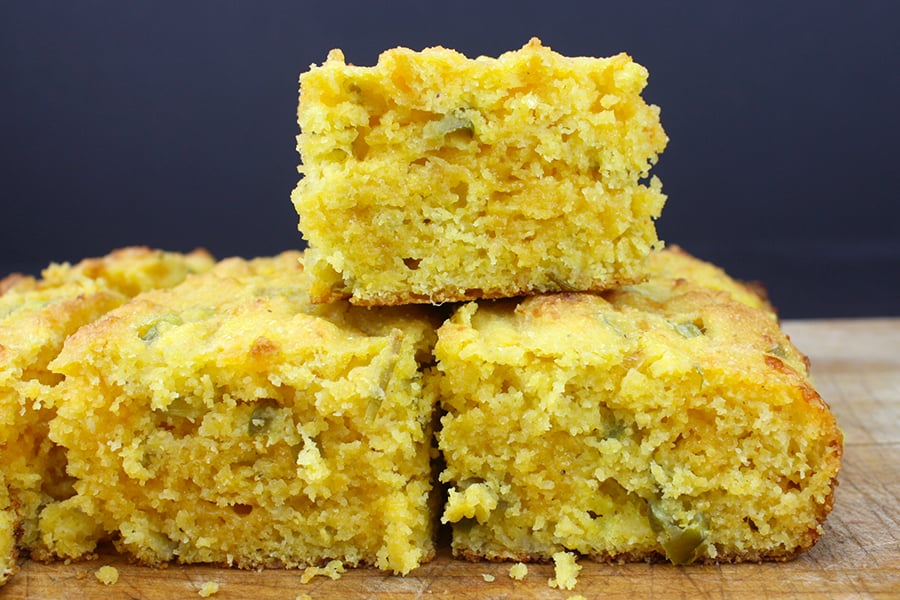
[(566, 570), (304, 597), (488, 577), (107, 575), (36, 316), (229, 420), (209, 588), (332, 570), (456, 178), (665, 419), (518, 571), (576, 597)]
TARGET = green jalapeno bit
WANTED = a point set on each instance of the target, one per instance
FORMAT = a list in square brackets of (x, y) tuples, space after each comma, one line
[(455, 122), (680, 543), (687, 329), (778, 350), (262, 416), (149, 332)]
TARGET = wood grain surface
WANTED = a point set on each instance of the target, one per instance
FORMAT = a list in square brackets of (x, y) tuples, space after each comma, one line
[(856, 367)]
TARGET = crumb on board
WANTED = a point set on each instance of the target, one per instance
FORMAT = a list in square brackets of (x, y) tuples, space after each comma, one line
[(303, 597), (209, 588), (576, 597), (487, 577), (518, 571), (333, 570), (107, 575), (566, 571)]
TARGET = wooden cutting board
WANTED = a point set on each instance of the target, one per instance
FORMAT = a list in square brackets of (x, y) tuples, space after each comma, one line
[(856, 366)]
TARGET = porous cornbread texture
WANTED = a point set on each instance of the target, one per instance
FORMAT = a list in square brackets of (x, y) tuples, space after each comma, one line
[(665, 419), (431, 177), (36, 316), (9, 523), (229, 420)]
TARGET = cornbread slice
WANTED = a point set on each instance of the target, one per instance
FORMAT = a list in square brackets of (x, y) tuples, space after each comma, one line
[(36, 316), (665, 419), (229, 420), (431, 177)]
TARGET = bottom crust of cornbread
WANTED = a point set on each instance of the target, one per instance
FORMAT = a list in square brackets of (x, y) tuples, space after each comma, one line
[(665, 420), (326, 289), (230, 421)]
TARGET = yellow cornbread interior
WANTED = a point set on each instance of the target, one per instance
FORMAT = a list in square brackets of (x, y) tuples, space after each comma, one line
[(431, 177), (229, 420), (36, 317), (8, 524), (662, 419)]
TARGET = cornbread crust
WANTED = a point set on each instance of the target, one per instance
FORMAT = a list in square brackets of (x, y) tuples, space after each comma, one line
[(36, 316), (431, 177), (229, 420), (15, 280), (133, 269), (666, 419)]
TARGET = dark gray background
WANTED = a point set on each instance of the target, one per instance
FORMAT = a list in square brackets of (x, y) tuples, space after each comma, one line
[(173, 124)]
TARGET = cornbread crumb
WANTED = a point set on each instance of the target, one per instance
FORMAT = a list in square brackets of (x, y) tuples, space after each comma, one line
[(107, 575), (566, 570), (488, 577), (518, 571), (304, 597), (333, 570), (576, 597), (209, 588)]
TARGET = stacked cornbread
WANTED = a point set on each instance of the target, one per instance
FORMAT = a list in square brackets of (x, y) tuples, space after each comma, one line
[(663, 414), (484, 332)]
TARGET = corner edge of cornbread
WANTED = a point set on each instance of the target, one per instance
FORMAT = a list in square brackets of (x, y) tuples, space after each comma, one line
[(37, 314), (667, 419), (230, 421), (456, 179)]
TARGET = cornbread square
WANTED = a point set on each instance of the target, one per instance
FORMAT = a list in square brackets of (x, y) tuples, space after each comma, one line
[(229, 420), (36, 316), (431, 177), (665, 419)]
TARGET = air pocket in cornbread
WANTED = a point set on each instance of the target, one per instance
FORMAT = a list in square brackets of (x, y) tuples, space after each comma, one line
[(431, 177), (665, 419), (229, 420)]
